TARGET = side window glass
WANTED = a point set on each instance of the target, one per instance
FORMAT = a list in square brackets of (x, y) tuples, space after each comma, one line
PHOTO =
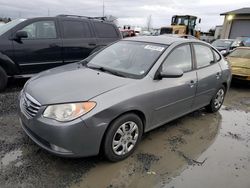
[(179, 58), (104, 30), (41, 30), (204, 55), (217, 55), (76, 29)]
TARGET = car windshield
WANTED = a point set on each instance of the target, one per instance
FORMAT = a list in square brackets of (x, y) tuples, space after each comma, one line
[(241, 53), (6, 27), (222, 43), (241, 41), (130, 59)]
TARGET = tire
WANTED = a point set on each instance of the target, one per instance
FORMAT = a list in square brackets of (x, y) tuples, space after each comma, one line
[(117, 147), (3, 79), (214, 105)]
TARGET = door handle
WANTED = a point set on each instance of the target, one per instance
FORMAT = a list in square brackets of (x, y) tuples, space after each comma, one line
[(192, 83), (218, 75), (92, 44)]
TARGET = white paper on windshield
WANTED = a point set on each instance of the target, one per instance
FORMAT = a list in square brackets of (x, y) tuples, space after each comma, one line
[(152, 47)]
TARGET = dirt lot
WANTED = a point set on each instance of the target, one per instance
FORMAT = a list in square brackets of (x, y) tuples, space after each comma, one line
[(198, 150)]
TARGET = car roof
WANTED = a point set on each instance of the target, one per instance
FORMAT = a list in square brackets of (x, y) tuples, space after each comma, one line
[(72, 18), (167, 40)]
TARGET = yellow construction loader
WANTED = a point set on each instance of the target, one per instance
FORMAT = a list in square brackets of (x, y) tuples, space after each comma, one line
[(182, 24)]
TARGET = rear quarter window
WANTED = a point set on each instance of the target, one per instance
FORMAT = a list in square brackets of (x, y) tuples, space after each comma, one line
[(104, 30), (204, 55), (217, 55), (76, 29)]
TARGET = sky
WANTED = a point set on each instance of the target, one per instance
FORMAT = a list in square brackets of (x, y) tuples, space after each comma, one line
[(128, 12)]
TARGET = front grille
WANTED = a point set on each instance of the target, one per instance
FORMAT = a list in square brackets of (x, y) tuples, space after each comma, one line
[(30, 106)]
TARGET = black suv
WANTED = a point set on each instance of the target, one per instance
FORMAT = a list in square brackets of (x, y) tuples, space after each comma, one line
[(28, 46)]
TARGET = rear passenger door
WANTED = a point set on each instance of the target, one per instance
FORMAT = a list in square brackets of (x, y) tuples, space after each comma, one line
[(78, 40), (208, 73), (105, 33)]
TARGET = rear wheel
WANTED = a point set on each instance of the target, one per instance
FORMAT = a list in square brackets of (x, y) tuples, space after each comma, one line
[(217, 100), (122, 137), (3, 79)]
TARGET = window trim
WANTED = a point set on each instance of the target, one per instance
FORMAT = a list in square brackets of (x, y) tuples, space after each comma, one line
[(57, 33), (195, 60), (179, 45)]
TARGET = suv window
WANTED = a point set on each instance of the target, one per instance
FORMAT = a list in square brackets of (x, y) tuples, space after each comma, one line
[(179, 58), (76, 29), (105, 30), (41, 30), (204, 55)]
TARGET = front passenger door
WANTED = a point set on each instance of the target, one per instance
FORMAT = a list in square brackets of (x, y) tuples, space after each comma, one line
[(174, 97), (41, 50)]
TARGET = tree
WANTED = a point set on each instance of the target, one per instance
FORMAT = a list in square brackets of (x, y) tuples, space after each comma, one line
[(149, 22)]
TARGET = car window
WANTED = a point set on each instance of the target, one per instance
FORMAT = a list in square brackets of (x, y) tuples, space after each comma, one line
[(217, 56), (133, 59), (76, 29), (105, 30), (179, 58), (222, 43), (204, 55), (41, 30), (6, 27)]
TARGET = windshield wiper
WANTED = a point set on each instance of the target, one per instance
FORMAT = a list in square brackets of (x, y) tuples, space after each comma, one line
[(104, 69)]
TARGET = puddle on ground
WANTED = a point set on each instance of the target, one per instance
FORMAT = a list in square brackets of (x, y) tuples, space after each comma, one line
[(11, 157), (164, 153), (228, 158)]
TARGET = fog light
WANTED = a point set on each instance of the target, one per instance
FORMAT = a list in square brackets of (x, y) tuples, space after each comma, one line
[(59, 149)]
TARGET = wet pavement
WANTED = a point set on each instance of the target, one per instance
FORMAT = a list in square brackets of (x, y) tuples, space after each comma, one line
[(197, 150)]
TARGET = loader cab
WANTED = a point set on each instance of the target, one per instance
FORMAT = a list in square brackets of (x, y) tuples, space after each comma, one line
[(187, 20)]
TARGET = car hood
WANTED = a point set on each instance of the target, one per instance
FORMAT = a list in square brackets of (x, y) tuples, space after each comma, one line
[(72, 83), (239, 62)]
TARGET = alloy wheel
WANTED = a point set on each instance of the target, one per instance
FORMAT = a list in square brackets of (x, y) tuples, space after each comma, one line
[(125, 138)]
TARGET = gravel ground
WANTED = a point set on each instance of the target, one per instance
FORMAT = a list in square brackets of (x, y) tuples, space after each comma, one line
[(182, 153)]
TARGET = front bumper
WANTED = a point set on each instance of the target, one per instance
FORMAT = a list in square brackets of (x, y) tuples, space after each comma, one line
[(241, 73), (78, 138)]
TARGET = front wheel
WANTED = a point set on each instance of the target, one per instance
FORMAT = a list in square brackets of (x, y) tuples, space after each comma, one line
[(122, 137), (217, 100)]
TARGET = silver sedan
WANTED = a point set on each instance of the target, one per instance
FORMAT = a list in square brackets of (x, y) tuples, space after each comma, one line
[(107, 101)]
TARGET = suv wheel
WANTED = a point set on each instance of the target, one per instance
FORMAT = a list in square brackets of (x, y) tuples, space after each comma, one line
[(122, 137), (3, 79), (217, 100)]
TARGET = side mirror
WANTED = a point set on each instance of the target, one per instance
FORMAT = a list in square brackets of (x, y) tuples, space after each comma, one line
[(171, 72), (21, 34)]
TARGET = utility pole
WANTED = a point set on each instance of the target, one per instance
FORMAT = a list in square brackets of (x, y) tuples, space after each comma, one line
[(48, 12), (103, 8)]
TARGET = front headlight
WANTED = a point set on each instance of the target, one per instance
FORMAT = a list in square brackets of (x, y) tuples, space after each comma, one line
[(68, 112)]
